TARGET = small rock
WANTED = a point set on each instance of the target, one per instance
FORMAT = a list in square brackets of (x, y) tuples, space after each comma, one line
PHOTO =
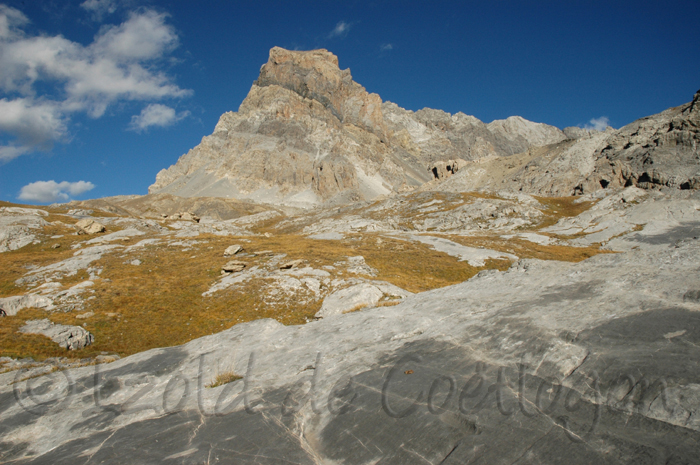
[(56, 246), (291, 264), (262, 252), (136, 262), (83, 316), (233, 266), (232, 250)]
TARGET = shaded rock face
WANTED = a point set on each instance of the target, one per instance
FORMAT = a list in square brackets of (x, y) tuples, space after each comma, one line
[(658, 151), (307, 133)]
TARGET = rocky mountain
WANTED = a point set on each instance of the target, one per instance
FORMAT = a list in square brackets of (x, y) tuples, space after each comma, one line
[(655, 152), (307, 134), (461, 292)]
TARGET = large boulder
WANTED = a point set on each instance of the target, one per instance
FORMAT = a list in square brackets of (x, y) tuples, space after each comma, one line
[(89, 226)]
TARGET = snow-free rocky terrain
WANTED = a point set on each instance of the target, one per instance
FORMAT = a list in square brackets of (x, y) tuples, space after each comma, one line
[(330, 279)]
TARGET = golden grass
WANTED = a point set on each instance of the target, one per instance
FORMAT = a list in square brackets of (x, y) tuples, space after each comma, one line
[(224, 378), (527, 249), (556, 208), (160, 303)]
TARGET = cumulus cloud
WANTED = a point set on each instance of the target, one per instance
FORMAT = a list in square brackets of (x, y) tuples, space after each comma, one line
[(51, 77), (52, 191), (386, 47), (599, 124), (156, 114), (100, 8), (34, 124), (340, 30)]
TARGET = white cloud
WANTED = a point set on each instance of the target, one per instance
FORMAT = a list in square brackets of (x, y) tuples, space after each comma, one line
[(33, 123), (52, 191), (100, 8), (156, 114), (386, 47), (599, 124), (120, 64), (9, 152), (10, 20), (340, 30)]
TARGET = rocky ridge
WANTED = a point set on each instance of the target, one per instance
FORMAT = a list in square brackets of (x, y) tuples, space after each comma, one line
[(307, 134)]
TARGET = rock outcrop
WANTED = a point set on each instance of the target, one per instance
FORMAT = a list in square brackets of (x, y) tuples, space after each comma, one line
[(66, 336), (658, 151), (307, 133)]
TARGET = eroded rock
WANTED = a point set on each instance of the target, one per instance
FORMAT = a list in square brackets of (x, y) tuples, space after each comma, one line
[(68, 337)]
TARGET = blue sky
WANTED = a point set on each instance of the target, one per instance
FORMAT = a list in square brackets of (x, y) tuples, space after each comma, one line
[(97, 96)]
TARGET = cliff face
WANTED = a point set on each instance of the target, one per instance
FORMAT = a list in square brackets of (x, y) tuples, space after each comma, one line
[(657, 151), (307, 133)]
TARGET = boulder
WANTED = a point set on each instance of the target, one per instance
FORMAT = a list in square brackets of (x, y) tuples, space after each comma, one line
[(233, 266), (88, 226), (189, 216), (68, 337), (232, 250)]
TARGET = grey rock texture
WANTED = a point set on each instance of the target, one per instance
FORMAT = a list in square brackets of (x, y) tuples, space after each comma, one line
[(350, 299), (589, 362), (88, 226), (307, 133), (658, 151), (14, 304), (18, 226), (66, 336)]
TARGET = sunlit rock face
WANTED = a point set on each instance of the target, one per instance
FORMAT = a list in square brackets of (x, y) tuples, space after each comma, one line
[(307, 133)]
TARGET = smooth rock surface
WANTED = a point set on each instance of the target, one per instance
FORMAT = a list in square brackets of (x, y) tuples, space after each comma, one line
[(589, 362)]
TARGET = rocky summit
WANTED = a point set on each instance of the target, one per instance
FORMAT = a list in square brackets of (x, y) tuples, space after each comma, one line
[(332, 279), (308, 134)]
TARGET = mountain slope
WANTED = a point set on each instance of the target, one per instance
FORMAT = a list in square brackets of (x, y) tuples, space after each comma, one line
[(307, 133)]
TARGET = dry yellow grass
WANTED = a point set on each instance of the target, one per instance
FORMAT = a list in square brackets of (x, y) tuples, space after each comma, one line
[(224, 378), (160, 303), (557, 208)]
